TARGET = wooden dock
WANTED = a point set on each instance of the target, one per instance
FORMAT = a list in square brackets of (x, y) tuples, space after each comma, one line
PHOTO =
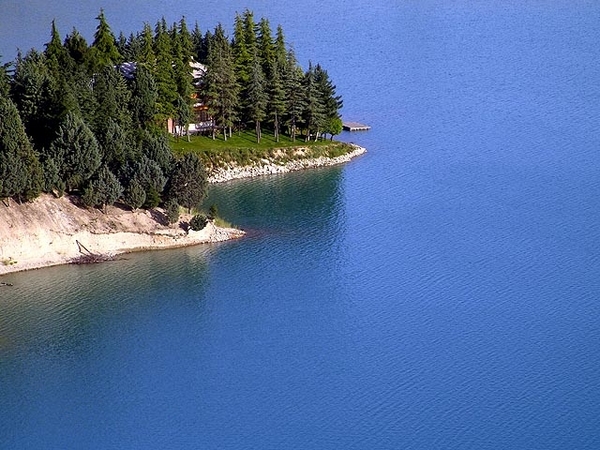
[(355, 126)]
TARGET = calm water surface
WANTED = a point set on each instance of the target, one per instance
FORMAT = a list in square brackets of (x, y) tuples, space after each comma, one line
[(441, 291)]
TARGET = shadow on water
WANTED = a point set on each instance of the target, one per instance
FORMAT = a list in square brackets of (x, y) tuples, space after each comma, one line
[(308, 200), (55, 309)]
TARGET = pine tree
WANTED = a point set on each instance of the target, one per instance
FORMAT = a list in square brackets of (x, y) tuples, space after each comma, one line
[(33, 92), (103, 190), (146, 56), (266, 47), (104, 50), (20, 169), (257, 97), (294, 93), (76, 46), (187, 183), (220, 88), (332, 103), (183, 116), (112, 99), (76, 151), (314, 108), (156, 148), (144, 99), (164, 74), (134, 196), (199, 44), (277, 99), (4, 80), (56, 54)]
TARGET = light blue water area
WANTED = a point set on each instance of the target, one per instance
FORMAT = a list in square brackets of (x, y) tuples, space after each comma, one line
[(439, 292)]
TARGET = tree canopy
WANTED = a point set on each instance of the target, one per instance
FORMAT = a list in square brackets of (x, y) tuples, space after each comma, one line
[(90, 119)]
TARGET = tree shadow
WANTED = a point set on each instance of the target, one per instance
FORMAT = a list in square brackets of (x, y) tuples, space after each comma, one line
[(159, 217)]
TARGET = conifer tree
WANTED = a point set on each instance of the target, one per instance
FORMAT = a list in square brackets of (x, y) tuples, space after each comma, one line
[(277, 99), (112, 99), (103, 190), (146, 56), (294, 93), (4, 80), (332, 103), (76, 46), (20, 169), (33, 94), (76, 152), (266, 47), (156, 148), (187, 183), (257, 97), (199, 44), (134, 196), (220, 83), (144, 98), (164, 74), (104, 50), (314, 108), (56, 54)]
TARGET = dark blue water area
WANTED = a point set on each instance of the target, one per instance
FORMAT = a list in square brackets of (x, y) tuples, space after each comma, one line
[(439, 292)]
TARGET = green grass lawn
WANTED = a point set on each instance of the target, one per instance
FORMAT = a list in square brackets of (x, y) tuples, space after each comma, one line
[(243, 149)]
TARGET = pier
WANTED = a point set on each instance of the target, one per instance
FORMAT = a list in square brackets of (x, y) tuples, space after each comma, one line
[(355, 126)]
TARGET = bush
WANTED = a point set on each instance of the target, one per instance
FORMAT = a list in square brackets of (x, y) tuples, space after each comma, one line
[(198, 222), (213, 212), (172, 210)]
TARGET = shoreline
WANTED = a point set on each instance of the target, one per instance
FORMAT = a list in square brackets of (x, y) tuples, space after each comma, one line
[(47, 231), (270, 167)]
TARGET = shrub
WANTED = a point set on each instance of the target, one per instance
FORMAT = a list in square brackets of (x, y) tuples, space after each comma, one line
[(213, 212), (198, 222), (172, 210)]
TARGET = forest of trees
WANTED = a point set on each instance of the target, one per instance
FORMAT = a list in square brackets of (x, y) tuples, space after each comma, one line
[(72, 121)]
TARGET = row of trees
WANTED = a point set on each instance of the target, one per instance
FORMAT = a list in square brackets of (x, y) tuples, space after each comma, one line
[(72, 119), (254, 79)]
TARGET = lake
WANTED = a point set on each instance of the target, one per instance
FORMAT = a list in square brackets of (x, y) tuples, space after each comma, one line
[(441, 291)]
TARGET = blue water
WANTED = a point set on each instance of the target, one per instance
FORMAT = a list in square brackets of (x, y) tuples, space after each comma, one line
[(439, 292)]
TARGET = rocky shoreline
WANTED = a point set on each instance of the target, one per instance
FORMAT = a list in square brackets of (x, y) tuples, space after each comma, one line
[(269, 167)]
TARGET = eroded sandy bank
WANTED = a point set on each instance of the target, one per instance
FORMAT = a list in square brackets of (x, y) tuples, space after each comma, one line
[(45, 232)]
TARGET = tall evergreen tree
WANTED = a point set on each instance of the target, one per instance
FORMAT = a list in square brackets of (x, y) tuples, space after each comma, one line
[(187, 183), (220, 83), (104, 50), (199, 44), (314, 108), (266, 47), (112, 100), (146, 56), (332, 102), (20, 170), (294, 93), (277, 99), (144, 98), (164, 74), (76, 46), (34, 92), (76, 152), (57, 54), (4, 79), (257, 97)]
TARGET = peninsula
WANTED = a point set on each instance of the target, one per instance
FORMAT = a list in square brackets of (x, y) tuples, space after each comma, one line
[(110, 146)]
